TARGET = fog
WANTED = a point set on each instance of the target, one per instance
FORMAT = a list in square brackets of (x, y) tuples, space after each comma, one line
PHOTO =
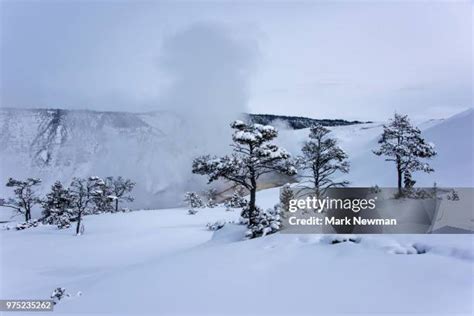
[(209, 71), (318, 59)]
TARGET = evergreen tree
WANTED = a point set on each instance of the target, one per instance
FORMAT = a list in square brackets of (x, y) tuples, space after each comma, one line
[(401, 142), (194, 201), (25, 196), (265, 223), (211, 196), (253, 156), (321, 158), (236, 201), (56, 206), (286, 195)]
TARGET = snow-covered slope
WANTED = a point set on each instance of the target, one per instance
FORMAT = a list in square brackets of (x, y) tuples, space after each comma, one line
[(453, 139), (165, 262)]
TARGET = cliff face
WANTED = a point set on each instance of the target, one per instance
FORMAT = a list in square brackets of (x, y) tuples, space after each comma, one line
[(60, 144)]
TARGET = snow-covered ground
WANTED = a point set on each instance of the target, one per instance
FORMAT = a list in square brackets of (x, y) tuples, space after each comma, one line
[(165, 262)]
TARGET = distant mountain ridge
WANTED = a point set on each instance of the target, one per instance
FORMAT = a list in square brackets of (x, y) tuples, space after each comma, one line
[(298, 122)]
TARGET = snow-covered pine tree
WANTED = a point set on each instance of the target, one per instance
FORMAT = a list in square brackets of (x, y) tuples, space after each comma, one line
[(321, 158), (253, 156), (83, 192), (236, 201), (211, 196), (25, 196), (401, 142), (120, 189), (286, 195), (56, 206), (194, 201), (265, 223)]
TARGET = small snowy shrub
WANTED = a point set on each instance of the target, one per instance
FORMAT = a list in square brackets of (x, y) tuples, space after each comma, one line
[(211, 196), (25, 225), (245, 214), (235, 201), (375, 189), (192, 212), (333, 240), (58, 294), (216, 226), (421, 193), (193, 200), (453, 195), (60, 218), (264, 223), (63, 221)]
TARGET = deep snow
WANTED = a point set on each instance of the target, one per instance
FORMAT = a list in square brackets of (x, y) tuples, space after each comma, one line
[(165, 262)]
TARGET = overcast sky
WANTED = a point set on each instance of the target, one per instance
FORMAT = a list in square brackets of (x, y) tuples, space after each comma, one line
[(354, 60)]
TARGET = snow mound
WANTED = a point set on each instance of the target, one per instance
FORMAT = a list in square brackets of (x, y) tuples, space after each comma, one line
[(229, 233)]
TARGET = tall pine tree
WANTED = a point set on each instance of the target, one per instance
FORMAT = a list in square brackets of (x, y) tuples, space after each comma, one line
[(322, 158), (401, 142), (253, 156)]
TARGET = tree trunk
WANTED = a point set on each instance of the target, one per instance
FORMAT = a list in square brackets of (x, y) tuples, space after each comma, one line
[(400, 176), (116, 205), (253, 197), (78, 227)]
